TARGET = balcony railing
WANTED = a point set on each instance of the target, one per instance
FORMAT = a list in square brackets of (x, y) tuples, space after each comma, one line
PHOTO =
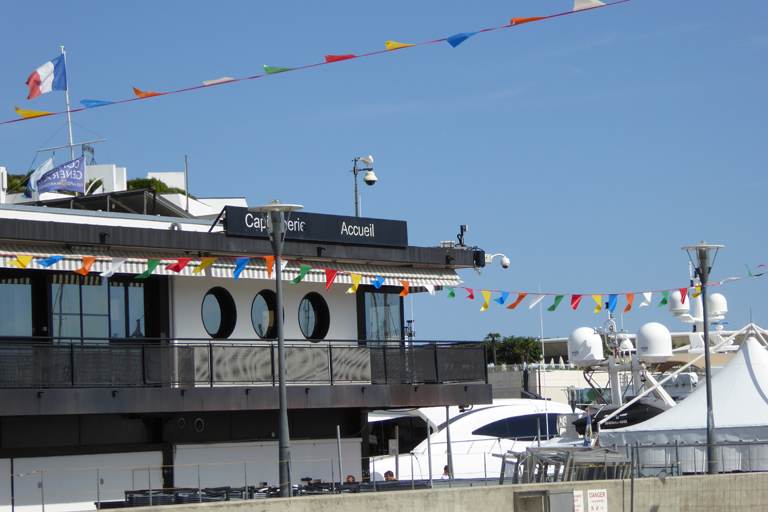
[(165, 363)]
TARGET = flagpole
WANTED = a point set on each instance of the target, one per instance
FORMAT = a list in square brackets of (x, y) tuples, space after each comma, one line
[(69, 116)]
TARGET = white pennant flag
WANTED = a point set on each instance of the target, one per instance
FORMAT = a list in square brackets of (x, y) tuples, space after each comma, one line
[(580, 5), (646, 299), (430, 288), (283, 264), (535, 300), (116, 264)]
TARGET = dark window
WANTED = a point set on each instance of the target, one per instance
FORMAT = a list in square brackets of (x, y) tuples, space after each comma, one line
[(520, 427), (219, 313), (383, 320), (16, 305), (263, 314), (314, 316)]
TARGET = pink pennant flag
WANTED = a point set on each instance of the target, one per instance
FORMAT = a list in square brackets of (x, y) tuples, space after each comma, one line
[(337, 58), (330, 277), (471, 293), (575, 299), (683, 294), (179, 265)]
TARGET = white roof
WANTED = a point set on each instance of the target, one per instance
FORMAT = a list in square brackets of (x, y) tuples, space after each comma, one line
[(740, 405)]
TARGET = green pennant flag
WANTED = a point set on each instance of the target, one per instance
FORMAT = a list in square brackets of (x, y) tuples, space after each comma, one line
[(665, 298), (557, 303), (151, 265), (750, 272), (271, 71), (303, 270), (450, 292)]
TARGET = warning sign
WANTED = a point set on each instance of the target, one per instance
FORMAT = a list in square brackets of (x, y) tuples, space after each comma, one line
[(597, 500), (578, 501)]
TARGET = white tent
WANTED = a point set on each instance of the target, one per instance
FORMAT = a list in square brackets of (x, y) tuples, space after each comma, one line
[(740, 405)]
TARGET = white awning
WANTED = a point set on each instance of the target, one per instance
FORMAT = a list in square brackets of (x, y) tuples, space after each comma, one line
[(224, 267)]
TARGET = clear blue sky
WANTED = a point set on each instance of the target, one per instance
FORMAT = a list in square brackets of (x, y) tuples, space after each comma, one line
[(587, 148)]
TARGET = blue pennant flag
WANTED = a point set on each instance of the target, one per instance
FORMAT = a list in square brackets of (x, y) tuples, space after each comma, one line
[(94, 103), (50, 261), (241, 263), (377, 282), (612, 301), (459, 38), (503, 298)]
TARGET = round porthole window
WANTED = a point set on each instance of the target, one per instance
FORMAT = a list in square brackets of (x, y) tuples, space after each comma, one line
[(219, 313), (263, 314), (314, 317)]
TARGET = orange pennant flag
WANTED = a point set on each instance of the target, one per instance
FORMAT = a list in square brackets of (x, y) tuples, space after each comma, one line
[(330, 277), (520, 297), (406, 285), (87, 264), (206, 262), (520, 21), (21, 261), (270, 261), (145, 94), (179, 265), (630, 298)]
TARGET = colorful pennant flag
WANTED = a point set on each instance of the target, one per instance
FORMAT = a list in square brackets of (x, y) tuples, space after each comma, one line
[(613, 300), (646, 299), (683, 294), (145, 94), (558, 298), (451, 293), (50, 261), (355, 283), (151, 265), (520, 21), (29, 114), (405, 288), (459, 38), (391, 45), (272, 70), (520, 297), (95, 103), (599, 300), (303, 271), (535, 300), (270, 261), (580, 5), (179, 265), (205, 264), (575, 299), (116, 264), (21, 261), (664, 298), (698, 292), (87, 264), (630, 298), (487, 296), (377, 282), (430, 288), (471, 293), (240, 264), (502, 299), (330, 277), (337, 58)]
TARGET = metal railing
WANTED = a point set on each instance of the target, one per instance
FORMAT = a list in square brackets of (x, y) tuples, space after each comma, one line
[(162, 362)]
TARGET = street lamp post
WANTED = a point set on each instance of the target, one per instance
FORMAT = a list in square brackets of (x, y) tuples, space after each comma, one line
[(370, 178), (276, 211), (702, 271)]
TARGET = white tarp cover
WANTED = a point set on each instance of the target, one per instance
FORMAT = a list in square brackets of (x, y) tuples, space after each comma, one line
[(740, 404)]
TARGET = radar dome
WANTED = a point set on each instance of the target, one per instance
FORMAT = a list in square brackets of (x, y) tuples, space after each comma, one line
[(585, 347), (676, 305), (654, 343), (716, 305)]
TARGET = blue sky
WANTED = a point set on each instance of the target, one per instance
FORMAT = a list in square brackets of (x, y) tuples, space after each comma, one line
[(587, 148)]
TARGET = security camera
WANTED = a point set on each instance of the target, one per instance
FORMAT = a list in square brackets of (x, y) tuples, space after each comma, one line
[(370, 178), (504, 262)]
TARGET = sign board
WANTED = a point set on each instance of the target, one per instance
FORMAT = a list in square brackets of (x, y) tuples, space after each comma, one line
[(578, 501), (597, 500), (316, 227), (393, 448)]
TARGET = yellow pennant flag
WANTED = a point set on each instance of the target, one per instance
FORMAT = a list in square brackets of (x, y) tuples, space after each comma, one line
[(598, 299), (487, 295), (698, 292), (206, 262), (391, 45), (21, 261), (27, 114), (355, 283)]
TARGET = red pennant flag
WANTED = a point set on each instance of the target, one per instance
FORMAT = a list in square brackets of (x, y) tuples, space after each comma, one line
[(520, 21), (337, 58), (179, 265), (270, 261), (520, 297), (330, 277), (145, 94), (575, 299), (471, 293), (405, 288), (683, 294), (87, 264), (630, 298)]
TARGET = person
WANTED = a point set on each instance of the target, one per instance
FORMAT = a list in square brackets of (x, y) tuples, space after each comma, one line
[(350, 479), (446, 473), (389, 476)]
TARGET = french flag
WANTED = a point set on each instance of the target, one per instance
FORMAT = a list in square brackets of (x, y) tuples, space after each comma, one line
[(51, 76)]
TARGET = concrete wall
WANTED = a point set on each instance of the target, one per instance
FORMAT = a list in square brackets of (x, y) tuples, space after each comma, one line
[(733, 492), (506, 384)]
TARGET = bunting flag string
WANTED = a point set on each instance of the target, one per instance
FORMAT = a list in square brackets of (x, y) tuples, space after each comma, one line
[(355, 283), (453, 41), (471, 293), (664, 298), (535, 300), (330, 277), (487, 297), (116, 264), (303, 271), (21, 261), (270, 261), (646, 299), (612, 301), (520, 298), (599, 300), (179, 265), (406, 285), (50, 261), (240, 264), (88, 262), (630, 298), (575, 299), (558, 299), (502, 299), (152, 264), (205, 264), (451, 293)]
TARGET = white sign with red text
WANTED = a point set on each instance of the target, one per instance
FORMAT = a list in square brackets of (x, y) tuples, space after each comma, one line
[(578, 501), (597, 500)]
